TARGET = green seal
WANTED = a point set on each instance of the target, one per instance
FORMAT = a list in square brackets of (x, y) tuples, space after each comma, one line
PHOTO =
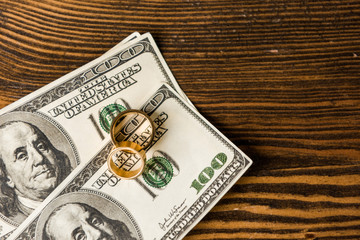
[(158, 172), (108, 114)]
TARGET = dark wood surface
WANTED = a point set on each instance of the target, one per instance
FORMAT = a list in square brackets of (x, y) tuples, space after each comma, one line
[(281, 79)]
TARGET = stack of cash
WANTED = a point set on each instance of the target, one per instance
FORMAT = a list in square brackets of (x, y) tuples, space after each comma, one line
[(55, 183)]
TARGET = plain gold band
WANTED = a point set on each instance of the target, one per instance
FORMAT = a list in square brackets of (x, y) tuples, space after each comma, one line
[(128, 147), (130, 111)]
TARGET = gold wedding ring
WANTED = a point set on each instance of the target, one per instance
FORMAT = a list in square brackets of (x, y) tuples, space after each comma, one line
[(127, 160), (133, 126), (131, 132)]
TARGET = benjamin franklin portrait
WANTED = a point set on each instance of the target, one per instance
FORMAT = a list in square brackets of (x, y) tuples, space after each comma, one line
[(81, 216), (35, 156)]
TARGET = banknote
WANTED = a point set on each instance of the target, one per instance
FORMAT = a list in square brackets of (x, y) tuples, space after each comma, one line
[(190, 166), (47, 134)]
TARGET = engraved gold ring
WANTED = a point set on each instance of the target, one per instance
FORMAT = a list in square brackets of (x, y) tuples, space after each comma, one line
[(127, 160)]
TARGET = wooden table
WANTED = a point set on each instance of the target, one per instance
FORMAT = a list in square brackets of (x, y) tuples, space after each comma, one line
[(281, 79)]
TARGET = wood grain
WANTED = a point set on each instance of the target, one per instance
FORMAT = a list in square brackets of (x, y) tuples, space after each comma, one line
[(279, 78)]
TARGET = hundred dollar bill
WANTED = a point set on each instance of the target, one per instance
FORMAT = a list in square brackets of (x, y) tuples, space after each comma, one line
[(190, 166), (46, 134)]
